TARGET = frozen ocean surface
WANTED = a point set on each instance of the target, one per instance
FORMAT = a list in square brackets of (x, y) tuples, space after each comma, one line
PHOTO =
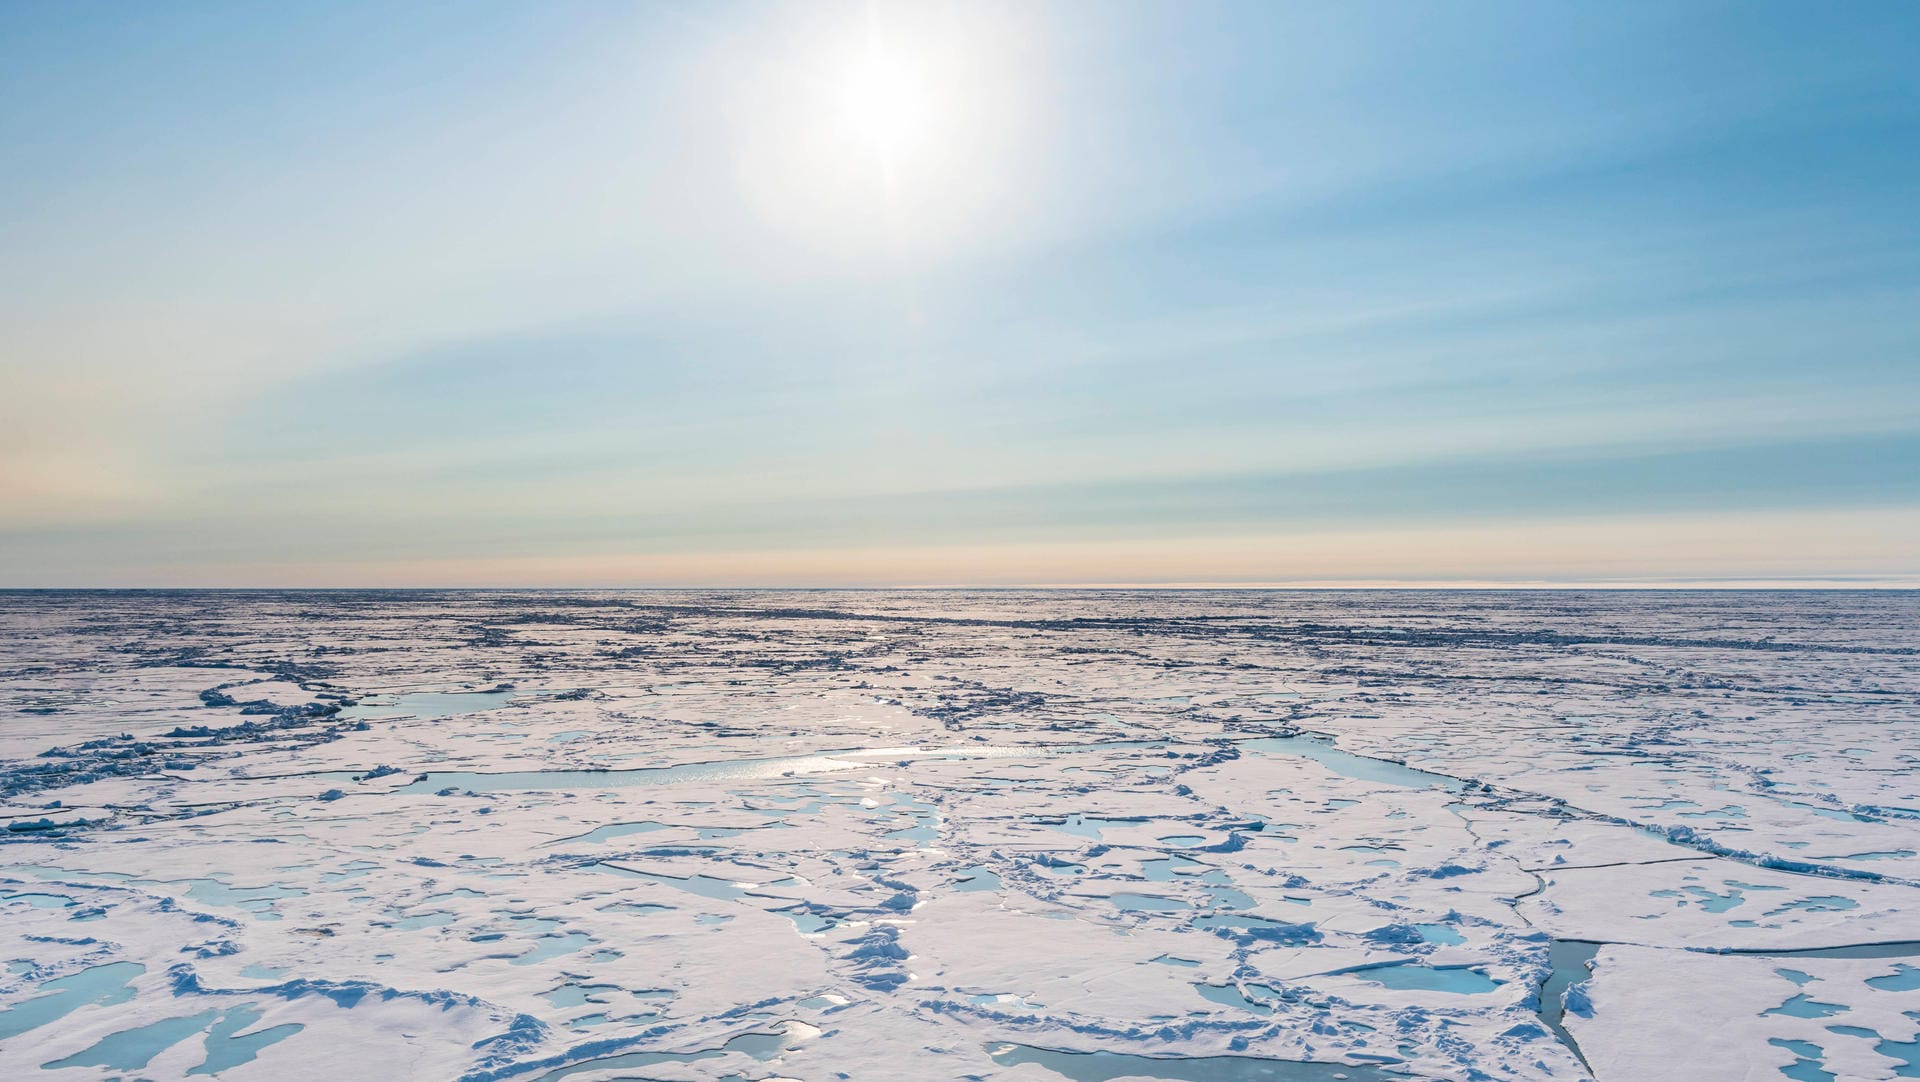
[(960, 835)]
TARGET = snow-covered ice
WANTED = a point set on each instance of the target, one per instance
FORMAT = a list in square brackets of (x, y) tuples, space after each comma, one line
[(946, 835)]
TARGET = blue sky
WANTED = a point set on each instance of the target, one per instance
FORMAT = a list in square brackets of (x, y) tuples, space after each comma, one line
[(635, 294)]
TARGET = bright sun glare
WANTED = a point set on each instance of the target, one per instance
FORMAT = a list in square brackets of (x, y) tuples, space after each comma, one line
[(903, 129), (886, 103)]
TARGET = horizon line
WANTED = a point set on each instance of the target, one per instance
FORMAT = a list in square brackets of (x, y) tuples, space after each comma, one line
[(1836, 585)]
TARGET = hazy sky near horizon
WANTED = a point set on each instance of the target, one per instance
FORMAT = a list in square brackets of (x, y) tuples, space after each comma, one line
[(827, 293)]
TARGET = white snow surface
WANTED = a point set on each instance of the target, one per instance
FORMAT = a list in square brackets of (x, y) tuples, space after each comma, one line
[(942, 835)]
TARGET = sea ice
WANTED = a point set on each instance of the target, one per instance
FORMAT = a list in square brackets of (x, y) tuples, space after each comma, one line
[(938, 835)]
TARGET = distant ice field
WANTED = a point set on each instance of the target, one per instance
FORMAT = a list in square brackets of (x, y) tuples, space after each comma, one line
[(1209, 836)]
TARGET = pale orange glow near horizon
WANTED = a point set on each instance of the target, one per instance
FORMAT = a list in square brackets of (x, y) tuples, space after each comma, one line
[(1864, 547)]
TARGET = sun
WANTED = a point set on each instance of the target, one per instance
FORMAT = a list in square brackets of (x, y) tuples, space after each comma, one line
[(873, 131), (887, 104)]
